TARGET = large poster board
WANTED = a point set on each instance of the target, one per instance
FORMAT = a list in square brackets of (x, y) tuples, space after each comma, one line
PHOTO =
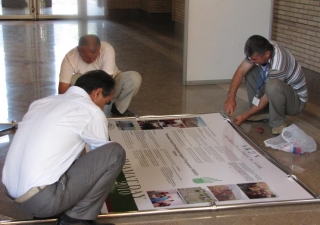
[(192, 161)]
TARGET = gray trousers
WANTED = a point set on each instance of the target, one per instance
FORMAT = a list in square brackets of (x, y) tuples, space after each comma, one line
[(127, 86), (83, 189), (283, 100)]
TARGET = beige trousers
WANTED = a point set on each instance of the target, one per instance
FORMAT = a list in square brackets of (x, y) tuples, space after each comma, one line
[(127, 86)]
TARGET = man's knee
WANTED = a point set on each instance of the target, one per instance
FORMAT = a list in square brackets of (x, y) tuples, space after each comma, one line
[(273, 87), (136, 79), (132, 81), (118, 154)]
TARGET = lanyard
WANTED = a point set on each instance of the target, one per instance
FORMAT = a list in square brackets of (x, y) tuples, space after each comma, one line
[(264, 74)]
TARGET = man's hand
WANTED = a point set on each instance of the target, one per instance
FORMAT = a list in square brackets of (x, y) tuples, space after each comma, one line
[(240, 119), (252, 111), (230, 106)]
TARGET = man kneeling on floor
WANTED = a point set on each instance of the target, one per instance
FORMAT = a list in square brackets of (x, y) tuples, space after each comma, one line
[(43, 172), (275, 84), (93, 54)]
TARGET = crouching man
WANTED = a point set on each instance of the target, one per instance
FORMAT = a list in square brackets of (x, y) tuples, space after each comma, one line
[(43, 172)]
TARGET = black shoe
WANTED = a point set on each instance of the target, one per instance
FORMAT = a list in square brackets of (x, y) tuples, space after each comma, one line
[(64, 219), (115, 112)]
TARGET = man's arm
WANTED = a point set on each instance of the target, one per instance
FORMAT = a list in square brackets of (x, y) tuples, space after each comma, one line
[(63, 87), (230, 103), (66, 72), (108, 63), (95, 132), (253, 110)]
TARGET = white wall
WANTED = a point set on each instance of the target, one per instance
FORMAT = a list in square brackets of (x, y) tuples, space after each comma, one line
[(215, 34)]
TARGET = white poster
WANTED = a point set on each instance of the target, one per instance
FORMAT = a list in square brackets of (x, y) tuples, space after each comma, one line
[(193, 161)]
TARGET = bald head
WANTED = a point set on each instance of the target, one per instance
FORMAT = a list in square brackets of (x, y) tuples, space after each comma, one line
[(89, 48)]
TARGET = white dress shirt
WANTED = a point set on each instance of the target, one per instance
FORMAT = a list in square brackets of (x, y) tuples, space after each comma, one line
[(50, 137)]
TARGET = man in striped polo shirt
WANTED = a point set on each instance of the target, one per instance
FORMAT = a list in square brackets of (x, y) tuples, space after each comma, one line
[(275, 84)]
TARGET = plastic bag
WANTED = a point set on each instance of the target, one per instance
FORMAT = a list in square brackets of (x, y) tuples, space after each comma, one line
[(292, 139)]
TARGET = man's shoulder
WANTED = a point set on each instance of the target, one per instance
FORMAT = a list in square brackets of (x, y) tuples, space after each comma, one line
[(72, 52), (105, 46)]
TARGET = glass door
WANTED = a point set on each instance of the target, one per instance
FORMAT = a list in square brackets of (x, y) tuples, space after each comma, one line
[(58, 9), (17, 9), (52, 9), (80, 9)]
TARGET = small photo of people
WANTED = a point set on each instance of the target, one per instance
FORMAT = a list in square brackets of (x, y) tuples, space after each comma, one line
[(257, 190), (165, 198), (171, 123), (226, 192), (127, 125), (149, 124), (193, 122), (194, 195)]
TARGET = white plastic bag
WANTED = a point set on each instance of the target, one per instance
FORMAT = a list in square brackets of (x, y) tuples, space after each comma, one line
[(292, 139)]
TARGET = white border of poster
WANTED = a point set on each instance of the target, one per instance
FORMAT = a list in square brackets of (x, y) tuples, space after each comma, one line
[(196, 161)]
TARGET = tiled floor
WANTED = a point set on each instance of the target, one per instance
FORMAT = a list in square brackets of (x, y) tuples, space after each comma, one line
[(31, 53)]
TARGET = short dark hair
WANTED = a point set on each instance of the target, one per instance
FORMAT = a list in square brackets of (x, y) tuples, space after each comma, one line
[(83, 40), (95, 79), (257, 44)]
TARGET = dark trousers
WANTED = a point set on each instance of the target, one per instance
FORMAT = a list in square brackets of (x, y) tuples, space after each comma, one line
[(82, 190)]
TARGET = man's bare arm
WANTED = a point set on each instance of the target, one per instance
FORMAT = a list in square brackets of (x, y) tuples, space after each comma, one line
[(253, 110), (63, 87), (230, 103)]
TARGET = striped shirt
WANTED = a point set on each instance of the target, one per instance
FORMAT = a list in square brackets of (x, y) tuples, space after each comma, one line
[(285, 67)]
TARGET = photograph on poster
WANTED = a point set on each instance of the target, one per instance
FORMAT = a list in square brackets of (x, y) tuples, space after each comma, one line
[(165, 198), (228, 192), (194, 195), (127, 125), (170, 123), (149, 124), (257, 190), (190, 122), (193, 122)]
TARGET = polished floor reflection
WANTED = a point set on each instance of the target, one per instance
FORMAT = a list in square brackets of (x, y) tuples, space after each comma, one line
[(30, 57)]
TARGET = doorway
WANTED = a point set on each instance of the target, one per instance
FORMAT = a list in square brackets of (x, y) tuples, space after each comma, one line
[(52, 9)]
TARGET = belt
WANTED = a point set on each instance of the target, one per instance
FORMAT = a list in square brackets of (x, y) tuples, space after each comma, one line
[(32, 192)]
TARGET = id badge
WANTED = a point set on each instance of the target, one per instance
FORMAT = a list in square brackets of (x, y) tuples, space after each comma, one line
[(256, 101)]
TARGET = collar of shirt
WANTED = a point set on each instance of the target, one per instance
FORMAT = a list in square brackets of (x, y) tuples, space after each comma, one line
[(78, 91), (274, 57)]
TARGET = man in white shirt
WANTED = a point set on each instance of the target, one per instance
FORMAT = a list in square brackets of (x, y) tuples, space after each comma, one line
[(43, 172), (92, 54)]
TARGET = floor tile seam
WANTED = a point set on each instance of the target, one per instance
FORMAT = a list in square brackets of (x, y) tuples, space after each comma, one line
[(157, 39), (311, 108), (304, 125), (174, 56), (310, 119), (306, 217), (164, 38), (242, 94), (276, 211), (240, 218)]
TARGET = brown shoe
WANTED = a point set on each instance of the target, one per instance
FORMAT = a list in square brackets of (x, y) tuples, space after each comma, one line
[(259, 117), (278, 130)]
